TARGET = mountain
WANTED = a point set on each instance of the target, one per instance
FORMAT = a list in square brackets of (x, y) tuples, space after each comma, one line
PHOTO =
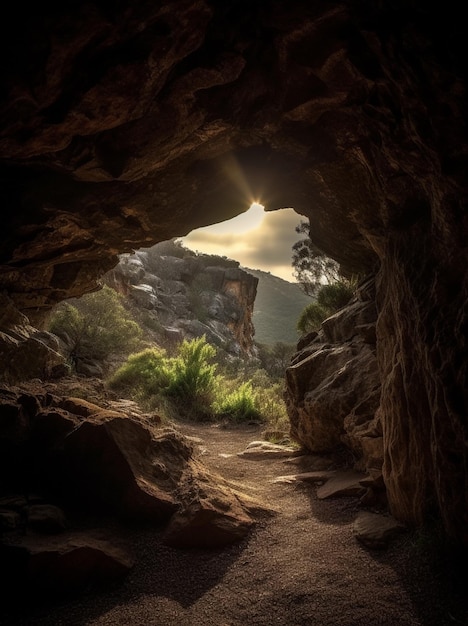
[(179, 294), (277, 307)]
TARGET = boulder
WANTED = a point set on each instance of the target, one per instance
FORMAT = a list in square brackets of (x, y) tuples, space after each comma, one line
[(376, 531), (64, 564)]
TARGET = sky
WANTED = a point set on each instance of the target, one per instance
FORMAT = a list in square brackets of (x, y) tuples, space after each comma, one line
[(258, 239)]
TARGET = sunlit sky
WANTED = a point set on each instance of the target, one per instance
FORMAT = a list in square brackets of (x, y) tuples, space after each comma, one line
[(258, 239)]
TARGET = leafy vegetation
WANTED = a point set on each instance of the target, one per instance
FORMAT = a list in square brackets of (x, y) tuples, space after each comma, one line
[(239, 405), (312, 267), (190, 380), (95, 326), (319, 276), (190, 385), (330, 298)]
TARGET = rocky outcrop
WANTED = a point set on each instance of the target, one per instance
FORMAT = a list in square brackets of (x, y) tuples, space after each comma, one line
[(69, 454), (130, 124), (29, 352), (333, 386), (187, 295)]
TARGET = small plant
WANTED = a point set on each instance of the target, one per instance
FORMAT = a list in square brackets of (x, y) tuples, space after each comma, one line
[(330, 298), (191, 376), (145, 372), (311, 318), (239, 405), (186, 380), (335, 295)]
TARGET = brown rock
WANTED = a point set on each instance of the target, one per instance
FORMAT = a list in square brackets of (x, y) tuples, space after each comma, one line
[(46, 518), (376, 531), (258, 450), (62, 564), (342, 483), (210, 515), (117, 464), (305, 477)]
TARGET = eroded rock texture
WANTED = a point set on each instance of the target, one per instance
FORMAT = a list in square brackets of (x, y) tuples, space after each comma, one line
[(188, 295), (333, 386), (126, 124)]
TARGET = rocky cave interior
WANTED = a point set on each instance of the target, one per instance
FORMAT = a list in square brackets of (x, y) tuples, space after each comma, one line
[(125, 124)]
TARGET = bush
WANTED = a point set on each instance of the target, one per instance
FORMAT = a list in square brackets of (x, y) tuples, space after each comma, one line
[(276, 358), (335, 295), (187, 379), (187, 385), (238, 405), (191, 375), (330, 298), (311, 318), (145, 373), (95, 325)]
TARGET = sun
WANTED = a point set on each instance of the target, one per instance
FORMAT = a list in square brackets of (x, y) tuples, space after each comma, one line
[(239, 225)]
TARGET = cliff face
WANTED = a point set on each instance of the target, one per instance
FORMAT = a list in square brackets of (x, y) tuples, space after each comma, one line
[(185, 295), (130, 124), (333, 386)]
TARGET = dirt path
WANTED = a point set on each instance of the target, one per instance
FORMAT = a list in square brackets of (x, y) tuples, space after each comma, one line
[(301, 567)]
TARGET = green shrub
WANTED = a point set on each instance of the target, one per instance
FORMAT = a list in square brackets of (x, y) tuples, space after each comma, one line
[(95, 325), (274, 359), (66, 322), (311, 318), (330, 298), (145, 372), (239, 405), (192, 379), (187, 380), (335, 295), (187, 385)]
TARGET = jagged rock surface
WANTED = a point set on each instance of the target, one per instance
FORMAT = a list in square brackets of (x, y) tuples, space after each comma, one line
[(98, 461), (128, 124), (333, 385), (190, 295)]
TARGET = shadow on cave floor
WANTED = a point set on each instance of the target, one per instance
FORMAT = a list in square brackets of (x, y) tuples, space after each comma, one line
[(163, 576), (300, 567)]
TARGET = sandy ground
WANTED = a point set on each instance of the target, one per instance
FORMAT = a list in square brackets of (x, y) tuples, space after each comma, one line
[(299, 567)]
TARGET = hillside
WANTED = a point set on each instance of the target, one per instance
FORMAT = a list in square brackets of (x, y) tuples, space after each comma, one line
[(277, 307)]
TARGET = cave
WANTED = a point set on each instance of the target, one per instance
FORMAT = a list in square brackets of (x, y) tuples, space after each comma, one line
[(128, 124)]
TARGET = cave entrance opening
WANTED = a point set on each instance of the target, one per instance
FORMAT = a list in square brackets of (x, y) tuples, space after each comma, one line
[(258, 239)]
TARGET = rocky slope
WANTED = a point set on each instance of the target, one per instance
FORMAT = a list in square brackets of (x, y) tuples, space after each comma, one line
[(333, 389), (186, 295)]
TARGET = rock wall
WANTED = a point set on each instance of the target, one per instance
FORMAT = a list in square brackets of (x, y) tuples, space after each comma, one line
[(188, 295), (130, 124), (333, 386)]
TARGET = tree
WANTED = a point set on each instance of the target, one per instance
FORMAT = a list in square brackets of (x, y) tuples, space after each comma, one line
[(312, 268), (95, 325)]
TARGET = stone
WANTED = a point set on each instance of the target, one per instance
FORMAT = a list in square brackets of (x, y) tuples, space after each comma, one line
[(210, 515), (376, 531), (305, 477), (46, 518), (342, 483), (98, 461), (199, 298), (259, 450), (310, 462), (64, 564)]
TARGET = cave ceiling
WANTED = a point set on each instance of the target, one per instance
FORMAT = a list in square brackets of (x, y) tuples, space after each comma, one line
[(127, 123)]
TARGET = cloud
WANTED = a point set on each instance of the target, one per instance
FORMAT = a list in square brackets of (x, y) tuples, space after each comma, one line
[(267, 246)]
